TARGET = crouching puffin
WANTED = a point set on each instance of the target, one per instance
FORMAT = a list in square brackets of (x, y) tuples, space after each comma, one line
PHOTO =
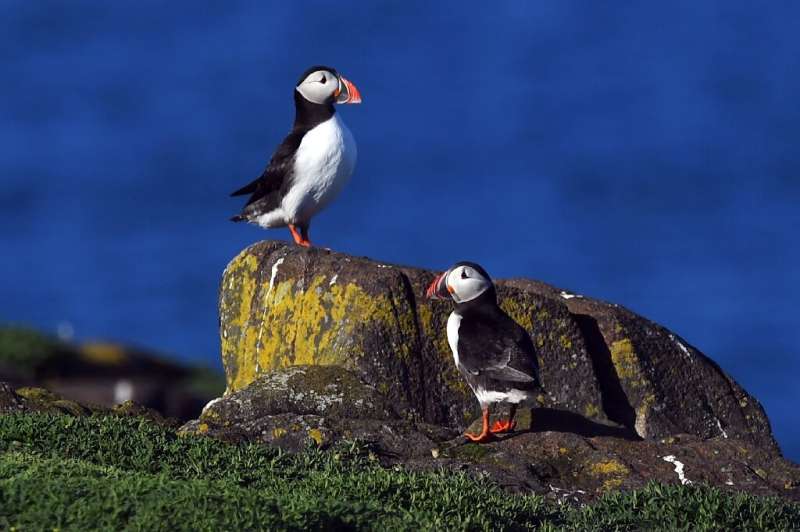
[(493, 353), (312, 164)]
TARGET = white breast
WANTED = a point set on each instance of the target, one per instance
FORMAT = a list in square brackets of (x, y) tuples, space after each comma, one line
[(453, 323), (323, 165)]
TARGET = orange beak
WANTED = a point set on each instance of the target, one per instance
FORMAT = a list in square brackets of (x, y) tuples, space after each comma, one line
[(347, 92), (439, 289)]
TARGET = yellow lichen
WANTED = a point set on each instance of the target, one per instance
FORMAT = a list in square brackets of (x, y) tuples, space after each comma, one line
[(613, 469), (202, 428), (238, 280), (626, 363), (211, 415), (437, 336), (286, 323), (40, 395), (565, 342), (519, 312), (316, 435), (609, 467), (278, 432), (611, 484), (591, 410)]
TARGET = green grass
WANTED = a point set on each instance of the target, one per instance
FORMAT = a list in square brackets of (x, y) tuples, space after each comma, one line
[(79, 473)]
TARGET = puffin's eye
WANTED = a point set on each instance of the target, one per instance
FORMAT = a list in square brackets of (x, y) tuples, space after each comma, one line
[(464, 273), (323, 80)]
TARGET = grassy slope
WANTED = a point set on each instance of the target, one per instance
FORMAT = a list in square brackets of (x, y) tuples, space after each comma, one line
[(107, 472)]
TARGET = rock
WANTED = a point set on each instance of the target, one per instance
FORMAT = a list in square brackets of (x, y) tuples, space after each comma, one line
[(300, 405), (321, 348), (283, 306), (30, 399), (307, 390), (580, 467), (10, 402), (40, 400), (553, 452)]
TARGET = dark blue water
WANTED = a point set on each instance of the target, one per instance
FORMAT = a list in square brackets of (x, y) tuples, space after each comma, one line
[(638, 153)]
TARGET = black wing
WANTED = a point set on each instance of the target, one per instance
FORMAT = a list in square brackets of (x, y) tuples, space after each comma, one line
[(268, 188), (497, 348)]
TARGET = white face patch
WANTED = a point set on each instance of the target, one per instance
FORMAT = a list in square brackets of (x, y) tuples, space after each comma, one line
[(319, 86), (466, 284)]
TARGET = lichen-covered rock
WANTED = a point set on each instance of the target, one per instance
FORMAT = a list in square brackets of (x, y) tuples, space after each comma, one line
[(302, 405), (579, 467), (42, 401), (331, 391), (282, 306), (556, 453), (30, 399)]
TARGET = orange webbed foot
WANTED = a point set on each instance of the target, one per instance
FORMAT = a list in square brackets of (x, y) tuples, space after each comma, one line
[(503, 426), (479, 438), (484, 435)]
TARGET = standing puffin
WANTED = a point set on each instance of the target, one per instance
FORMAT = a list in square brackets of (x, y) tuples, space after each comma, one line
[(493, 353), (312, 164)]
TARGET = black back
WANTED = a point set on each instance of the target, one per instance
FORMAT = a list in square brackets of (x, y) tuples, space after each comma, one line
[(494, 351)]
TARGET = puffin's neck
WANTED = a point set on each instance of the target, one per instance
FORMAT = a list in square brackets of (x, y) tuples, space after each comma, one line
[(308, 115), (486, 302)]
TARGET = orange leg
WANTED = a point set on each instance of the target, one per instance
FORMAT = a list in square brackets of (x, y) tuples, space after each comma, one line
[(300, 240), (507, 425), (485, 435), (304, 234)]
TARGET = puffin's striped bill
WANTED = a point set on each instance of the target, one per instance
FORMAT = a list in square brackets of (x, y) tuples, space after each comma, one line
[(438, 288), (348, 93)]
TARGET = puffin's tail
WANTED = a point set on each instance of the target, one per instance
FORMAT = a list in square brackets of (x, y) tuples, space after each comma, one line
[(238, 218), (247, 189)]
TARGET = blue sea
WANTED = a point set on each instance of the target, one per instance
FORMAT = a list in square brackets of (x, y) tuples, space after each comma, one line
[(643, 153)]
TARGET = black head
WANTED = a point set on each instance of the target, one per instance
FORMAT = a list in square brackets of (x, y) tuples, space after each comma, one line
[(465, 283), (323, 85), (315, 68)]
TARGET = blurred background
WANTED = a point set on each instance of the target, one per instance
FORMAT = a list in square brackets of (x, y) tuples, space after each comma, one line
[(639, 153)]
